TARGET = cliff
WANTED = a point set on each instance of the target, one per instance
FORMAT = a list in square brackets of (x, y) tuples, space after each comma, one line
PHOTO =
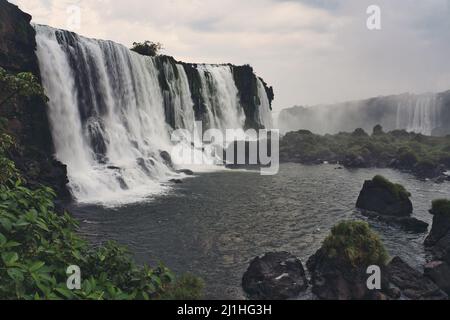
[(428, 114), (27, 118), (86, 88)]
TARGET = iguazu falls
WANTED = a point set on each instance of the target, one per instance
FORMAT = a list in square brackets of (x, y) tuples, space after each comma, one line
[(262, 152)]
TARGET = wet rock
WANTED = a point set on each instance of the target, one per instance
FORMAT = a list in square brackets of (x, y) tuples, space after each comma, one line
[(438, 241), (275, 276), (412, 283), (186, 172), (165, 156), (334, 279), (406, 223), (439, 272), (383, 197), (114, 168), (176, 181)]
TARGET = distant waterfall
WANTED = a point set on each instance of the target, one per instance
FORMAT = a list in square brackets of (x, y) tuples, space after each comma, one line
[(420, 114), (109, 113)]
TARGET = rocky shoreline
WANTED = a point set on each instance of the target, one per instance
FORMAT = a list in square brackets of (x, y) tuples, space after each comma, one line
[(346, 266)]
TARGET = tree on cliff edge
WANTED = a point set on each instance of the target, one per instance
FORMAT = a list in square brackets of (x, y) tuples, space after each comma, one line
[(147, 48)]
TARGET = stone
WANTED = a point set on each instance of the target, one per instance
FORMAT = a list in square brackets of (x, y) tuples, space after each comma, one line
[(275, 276)]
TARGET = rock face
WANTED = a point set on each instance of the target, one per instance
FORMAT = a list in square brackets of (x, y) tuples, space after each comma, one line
[(275, 276), (439, 273), (412, 283), (334, 279), (27, 118), (383, 197), (385, 201), (438, 243)]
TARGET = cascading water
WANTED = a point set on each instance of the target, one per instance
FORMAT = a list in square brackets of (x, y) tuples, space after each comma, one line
[(420, 114), (109, 113)]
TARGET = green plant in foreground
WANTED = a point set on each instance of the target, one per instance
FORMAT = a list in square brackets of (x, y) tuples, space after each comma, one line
[(356, 244), (37, 245)]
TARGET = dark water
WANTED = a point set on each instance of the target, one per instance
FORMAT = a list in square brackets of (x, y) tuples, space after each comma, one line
[(213, 225)]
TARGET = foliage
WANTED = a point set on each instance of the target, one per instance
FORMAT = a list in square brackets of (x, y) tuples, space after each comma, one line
[(440, 207), (147, 48), (22, 84), (37, 245), (356, 244), (396, 189), (397, 149)]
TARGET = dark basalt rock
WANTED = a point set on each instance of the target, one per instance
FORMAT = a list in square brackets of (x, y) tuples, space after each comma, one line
[(334, 279), (381, 196), (407, 223), (412, 283), (166, 158), (27, 117), (186, 172), (439, 272), (438, 241), (275, 276), (176, 181)]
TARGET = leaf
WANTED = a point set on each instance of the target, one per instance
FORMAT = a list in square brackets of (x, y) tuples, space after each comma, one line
[(65, 293), (15, 274), (37, 266), (9, 258), (3, 240)]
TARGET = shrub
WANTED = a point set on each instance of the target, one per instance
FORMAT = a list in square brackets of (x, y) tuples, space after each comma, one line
[(397, 189), (356, 244), (37, 245), (147, 48)]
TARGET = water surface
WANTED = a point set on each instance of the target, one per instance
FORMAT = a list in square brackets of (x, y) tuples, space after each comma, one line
[(214, 224)]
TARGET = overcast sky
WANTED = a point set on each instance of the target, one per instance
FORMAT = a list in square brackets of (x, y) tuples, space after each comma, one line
[(311, 51)]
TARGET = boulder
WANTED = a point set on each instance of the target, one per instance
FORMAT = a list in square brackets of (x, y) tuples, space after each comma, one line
[(176, 181), (406, 223), (165, 156), (186, 172), (438, 241), (339, 269), (413, 284), (439, 272), (385, 198), (275, 276)]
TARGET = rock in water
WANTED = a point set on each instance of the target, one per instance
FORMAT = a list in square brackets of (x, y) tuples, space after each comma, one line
[(439, 272), (439, 238), (384, 197), (275, 276), (339, 268), (412, 283)]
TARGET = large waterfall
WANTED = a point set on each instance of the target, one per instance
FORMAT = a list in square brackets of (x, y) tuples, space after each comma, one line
[(112, 118)]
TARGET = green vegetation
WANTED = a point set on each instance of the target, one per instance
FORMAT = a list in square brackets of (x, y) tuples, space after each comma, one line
[(423, 155), (356, 244), (397, 189), (147, 48), (440, 207), (23, 84), (37, 245)]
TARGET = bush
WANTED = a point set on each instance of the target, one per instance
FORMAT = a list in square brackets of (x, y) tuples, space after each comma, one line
[(37, 245), (356, 244), (397, 189), (440, 207), (147, 48)]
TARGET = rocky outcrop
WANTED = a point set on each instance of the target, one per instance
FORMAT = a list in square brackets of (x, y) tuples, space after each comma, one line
[(27, 118), (439, 273), (381, 196), (275, 276), (412, 284), (385, 201)]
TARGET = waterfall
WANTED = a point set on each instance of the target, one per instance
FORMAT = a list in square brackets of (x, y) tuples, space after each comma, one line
[(420, 114), (112, 118)]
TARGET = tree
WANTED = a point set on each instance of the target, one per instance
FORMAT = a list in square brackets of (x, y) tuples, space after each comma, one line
[(147, 48), (21, 84)]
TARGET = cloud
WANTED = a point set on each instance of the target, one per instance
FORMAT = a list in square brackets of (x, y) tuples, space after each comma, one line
[(310, 51)]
